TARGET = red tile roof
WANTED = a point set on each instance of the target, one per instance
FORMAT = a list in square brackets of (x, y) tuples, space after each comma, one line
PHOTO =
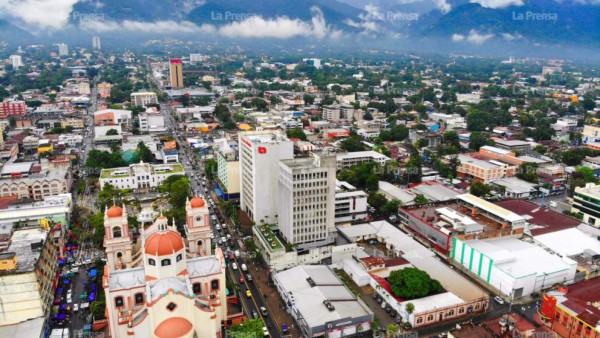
[(396, 262), (373, 261), (546, 220)]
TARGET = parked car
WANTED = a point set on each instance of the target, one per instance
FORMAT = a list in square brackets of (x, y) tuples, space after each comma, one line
[(254, 314), (383, 305), (264, 311), (499, 300)]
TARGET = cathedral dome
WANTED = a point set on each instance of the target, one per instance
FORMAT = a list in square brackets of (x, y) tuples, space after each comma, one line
[(197, 202), (115, 211), (163, 243), (173, 327)]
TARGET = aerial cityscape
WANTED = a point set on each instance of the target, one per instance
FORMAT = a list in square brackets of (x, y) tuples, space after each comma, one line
[(311, 168)]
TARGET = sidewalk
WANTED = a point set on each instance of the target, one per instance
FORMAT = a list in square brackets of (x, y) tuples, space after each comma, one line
[(275, 304)]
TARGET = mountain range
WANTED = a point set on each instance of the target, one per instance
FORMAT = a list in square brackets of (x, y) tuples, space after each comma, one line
[(476, 22)]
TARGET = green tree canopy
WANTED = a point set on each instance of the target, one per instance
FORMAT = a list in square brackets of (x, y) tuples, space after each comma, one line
[(376, 200), (352, 143), (248, 328), (296, 133), (211, 168), (411, 283), (479, 189)]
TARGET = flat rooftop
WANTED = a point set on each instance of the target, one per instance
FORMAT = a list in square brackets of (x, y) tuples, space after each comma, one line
[(360, 154), (27, 245), (541, 220), (309, 299), (518, 258), (429, 214)]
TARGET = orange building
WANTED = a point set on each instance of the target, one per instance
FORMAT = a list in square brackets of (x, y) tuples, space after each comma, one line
[(573, 312)]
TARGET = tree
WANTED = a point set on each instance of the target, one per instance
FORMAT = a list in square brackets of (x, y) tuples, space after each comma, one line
[(391, 207), (376, 200), (420, 199), (479, 189), (411, 283), (397, 133), (248, 328), (296, 133), (391, 330), (479, 120), (477, 140), (144, 153), (410, 308), (414, 168), (12, 121), (367, 116), (451, 138), (100, 159), (528, 172), (112, 132), (210, 168), (352, 143)]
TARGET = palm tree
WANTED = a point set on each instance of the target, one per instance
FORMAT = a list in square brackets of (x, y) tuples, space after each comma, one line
[(391, 330), (410, 308)]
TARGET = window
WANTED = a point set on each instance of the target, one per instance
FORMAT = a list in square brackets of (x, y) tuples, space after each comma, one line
[(450, 313), (151, 262), (165, 262), (196, 288), (119, 301), (477, 306), (461, 310), (419, 320), (139, 298), (179, 257), (116, 232), (119, 254), (214, 284), (171, 306), (429, 318), (199, 243)]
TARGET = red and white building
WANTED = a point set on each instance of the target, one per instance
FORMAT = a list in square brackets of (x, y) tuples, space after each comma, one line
[(13, 108)]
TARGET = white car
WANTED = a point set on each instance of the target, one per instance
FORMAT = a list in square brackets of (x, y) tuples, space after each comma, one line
[(244, 267), (265, 332), (499, 300), (234, 266)]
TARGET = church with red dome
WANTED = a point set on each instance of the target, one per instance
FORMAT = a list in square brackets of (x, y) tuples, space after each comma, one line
[(166, 285)]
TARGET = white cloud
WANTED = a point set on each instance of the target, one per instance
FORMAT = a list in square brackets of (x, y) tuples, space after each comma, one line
[(280, 27), (473, 37), (53, 14), (252, 27), (498, 3), (478, 38), (458, 37), (442, 5), (511, 37)]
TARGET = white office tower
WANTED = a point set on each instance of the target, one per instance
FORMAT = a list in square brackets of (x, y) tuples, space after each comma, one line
[(63, 49), (260, 153), (96, 43), (307, 200), (16, 61)]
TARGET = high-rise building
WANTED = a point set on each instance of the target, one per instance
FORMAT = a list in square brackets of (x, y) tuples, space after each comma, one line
[(63, 49), (96, 43), (176, 73), (260, 153), (16, 61), (169, 286), (306, 198)]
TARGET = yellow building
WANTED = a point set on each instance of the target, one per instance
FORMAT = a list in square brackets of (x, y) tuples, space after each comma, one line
[(46, 147), (176, 73), (8, 261)]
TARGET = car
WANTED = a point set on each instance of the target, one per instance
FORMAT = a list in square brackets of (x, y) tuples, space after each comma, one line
[(234, 266), (228, 236), (383, 305), (393, 313), (254, 314), (242, 279), (264, 311), (75, 307), (375, 295), (388, 308), (69, 299), (265, 331), (248, 293), (218, 227), (224, 224), (244, 268), (237, 253), (249, 277), (499, 300)]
